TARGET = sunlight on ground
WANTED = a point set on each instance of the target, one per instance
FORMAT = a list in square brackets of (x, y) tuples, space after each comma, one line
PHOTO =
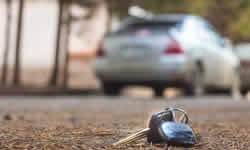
[(141, 92), (144, 92)]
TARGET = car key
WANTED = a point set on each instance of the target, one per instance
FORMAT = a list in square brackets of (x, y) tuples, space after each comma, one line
[(165, 128)]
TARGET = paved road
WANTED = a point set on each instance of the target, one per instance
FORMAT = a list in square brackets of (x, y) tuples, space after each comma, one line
[(204, 108)]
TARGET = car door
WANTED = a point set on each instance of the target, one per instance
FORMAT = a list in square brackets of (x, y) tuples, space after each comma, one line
[(195, 40), (218, 57), (201, 47)]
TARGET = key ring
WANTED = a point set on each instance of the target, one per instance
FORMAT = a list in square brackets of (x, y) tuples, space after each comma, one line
[(183, 118)]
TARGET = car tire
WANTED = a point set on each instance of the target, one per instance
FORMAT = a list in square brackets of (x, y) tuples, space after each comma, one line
[(236, 85), (197, 87), (159, 91), (243, 92), (111, 89)]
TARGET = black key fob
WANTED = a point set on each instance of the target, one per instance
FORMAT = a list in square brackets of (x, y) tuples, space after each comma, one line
[(177, 134), (154, 125)]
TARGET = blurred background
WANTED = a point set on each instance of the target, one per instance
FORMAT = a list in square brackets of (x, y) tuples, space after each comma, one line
[(52, 43), (76, 47)]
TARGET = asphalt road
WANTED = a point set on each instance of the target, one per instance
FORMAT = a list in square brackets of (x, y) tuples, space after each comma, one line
[(203, 108)]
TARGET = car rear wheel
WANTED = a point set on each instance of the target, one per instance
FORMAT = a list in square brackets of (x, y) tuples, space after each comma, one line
[(197, 86), (111, 89), (243, 92), (159, 91)]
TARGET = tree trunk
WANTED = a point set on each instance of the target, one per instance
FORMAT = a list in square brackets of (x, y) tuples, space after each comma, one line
[(18, 43), (7, 42), (66, 44), (54, 75), (110, 15)]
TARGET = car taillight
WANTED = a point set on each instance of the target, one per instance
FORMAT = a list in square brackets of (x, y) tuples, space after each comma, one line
[(173, 48), (100, 51)]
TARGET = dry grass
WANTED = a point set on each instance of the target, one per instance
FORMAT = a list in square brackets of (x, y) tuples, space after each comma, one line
[(61, 130)]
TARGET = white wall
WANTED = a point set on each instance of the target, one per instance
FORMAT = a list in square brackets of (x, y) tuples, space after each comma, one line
[(39, 32), (39, 28)]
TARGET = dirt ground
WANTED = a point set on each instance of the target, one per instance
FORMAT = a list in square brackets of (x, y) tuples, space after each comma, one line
[(95, 122)]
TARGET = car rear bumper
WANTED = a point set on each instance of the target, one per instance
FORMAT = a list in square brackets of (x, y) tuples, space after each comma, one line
[(172, 71)]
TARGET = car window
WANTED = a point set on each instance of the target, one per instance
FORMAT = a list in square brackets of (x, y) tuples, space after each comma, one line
[(153, 27), (192, 30), (214, 36)]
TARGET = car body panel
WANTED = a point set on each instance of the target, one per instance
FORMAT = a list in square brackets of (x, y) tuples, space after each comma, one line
[(176, 68)]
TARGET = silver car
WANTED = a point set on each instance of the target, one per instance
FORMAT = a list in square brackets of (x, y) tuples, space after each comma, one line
[(182, 51)]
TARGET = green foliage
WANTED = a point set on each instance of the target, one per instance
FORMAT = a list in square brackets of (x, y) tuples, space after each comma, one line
[(231, 18)]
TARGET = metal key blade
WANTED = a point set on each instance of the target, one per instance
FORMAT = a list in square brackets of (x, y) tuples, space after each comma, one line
[(139, 135)]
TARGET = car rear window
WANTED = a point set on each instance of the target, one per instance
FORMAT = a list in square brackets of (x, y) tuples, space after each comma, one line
[(152, 27)]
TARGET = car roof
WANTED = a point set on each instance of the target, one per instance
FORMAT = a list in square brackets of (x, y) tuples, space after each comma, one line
[(164, 18), (170, 17)]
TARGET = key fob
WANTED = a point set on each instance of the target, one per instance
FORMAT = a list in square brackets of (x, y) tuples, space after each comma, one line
[(176, 134), (154, 125)]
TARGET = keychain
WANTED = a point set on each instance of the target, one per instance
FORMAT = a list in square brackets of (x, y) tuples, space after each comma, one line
[(164, 128)]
